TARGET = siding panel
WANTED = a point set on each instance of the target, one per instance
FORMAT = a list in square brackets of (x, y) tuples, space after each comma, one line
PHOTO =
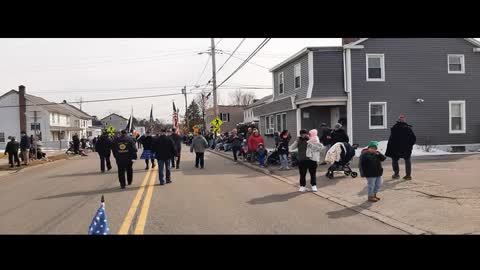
[(288, 73), (328, 74)]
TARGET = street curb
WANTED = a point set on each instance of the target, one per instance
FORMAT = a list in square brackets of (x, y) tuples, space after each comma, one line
[(366, 212), (36, 166)]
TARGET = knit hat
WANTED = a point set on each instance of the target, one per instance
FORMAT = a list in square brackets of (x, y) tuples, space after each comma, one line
[(303, 131), (373, 144), (313, 136), (338, 126), (402, 118)]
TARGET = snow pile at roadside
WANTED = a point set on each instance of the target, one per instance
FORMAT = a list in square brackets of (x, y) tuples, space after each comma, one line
[(417, 150)]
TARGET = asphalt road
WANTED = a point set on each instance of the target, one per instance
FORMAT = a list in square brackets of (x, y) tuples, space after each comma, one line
[(223, 198)]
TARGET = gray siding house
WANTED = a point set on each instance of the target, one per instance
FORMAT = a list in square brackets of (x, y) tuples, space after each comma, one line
[(368, 82)]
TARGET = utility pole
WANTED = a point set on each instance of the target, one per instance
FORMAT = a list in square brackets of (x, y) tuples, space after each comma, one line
[(214, 80), (184, 92), (81, 100), (203, 112)]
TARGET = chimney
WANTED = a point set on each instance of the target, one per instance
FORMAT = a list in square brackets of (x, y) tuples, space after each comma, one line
[(346, 41), (22, 109)]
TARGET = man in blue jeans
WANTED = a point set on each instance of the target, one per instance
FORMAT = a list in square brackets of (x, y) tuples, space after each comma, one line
[(164, 149)]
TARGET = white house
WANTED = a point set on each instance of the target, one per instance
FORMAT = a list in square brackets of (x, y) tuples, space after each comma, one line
[(52, 123), (248, 115)]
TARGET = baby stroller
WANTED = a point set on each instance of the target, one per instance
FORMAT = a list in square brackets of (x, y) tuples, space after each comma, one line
[(343, 165)]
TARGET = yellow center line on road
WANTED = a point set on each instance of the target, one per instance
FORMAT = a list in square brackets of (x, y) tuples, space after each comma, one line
[(142, 219), (127, 222)]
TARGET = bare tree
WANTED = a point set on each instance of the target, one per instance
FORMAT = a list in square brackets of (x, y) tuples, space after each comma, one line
[(239, 97)]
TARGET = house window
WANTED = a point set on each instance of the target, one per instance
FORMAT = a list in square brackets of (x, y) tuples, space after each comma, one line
[(457, 116), (281, 84), (377, 115), (53, 117), (58, 118), (281, 122), (456, 64), (225, 117), (35, 126), (298, 76), (68, 120), (375, 67), (272, 125), (2, 137)]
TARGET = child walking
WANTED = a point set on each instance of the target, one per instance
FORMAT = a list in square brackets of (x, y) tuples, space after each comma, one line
[(261, 155), (371, 167)]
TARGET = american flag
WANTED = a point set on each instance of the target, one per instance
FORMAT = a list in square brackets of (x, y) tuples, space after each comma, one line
[(175, 119), (99, 225)]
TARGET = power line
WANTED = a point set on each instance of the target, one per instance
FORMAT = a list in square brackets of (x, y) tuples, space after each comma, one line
[(262, 44), (231, 55), (92, 101), (218, 42), (238, 46), (203, 71)]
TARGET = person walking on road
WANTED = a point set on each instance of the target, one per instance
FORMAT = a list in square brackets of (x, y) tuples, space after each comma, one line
[(400, 145), (25, 148), (237, 141), (253, 141), (370, 166), (76, 144), (147, 154), (177, 139), (283, 149), (308, 154), (12, 150), (124, 151), (164, 149), (103, 147), (199, 144)]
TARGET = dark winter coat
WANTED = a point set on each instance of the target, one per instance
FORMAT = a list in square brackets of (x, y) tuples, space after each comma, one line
[(12, 147), (339, 135), (124, 149), (261, 153), (370, 164), (301, 144), (146, 142), (164, 147), (324, 133), (283, 148), (237, 141), (177, 140), (76, 140), (401, 141), (104, 146), (24, 143)]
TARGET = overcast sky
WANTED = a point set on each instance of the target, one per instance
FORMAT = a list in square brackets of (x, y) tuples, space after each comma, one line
[(67, 69), (70, 69)]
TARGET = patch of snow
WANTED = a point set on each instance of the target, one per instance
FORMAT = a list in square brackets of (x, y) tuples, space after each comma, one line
[(417, 150)]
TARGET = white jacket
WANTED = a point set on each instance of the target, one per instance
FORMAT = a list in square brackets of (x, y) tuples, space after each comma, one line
[(313, 151), (335, 153)]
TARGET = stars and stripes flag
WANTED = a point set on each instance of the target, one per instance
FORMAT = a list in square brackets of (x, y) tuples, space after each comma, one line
[(175, 119), (99, 225)]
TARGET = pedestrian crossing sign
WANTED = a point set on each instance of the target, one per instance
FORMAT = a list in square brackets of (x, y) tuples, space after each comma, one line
[(217, 130), (110, 130), (217, 122)]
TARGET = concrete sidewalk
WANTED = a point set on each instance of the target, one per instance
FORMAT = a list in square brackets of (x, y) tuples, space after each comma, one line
[(443, 197)]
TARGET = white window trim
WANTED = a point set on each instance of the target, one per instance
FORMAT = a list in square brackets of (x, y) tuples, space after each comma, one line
[(283, 83), (384, 115), (462, 61), (464, 117), (281, 122), (382, 64), (300, 70)]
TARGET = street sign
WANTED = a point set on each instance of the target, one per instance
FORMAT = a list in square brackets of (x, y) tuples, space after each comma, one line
[(110, 130), (217, 122), (217, 130)]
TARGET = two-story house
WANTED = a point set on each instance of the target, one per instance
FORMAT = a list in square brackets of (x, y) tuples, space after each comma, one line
[(116, 121), (231, 115), (248, 115), (368, 82)]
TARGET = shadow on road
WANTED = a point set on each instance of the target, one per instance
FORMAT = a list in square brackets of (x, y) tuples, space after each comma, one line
[(345, 212), (90, 173), (390, 184), (88, 192), (273, 198)]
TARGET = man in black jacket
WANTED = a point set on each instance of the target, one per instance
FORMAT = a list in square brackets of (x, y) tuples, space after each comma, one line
[(124, 151), (103, 147), (164, 149), (177, 139), (400, 145), (24, 148), (339, 135), (12, 149), (76, 144)]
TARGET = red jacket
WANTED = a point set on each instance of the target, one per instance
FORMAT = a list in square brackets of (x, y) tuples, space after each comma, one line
[(254, 141)]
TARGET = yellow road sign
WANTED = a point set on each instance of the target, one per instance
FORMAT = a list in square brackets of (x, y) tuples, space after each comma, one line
[(217, 122), (217, 130), (110, 130)]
